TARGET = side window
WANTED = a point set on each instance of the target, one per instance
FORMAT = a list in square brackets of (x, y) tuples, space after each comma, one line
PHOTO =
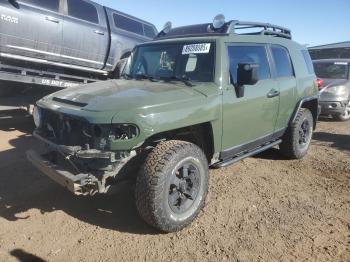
[(149, 31), (248, 54), (83, 10), (128, 24), (52, 5), (282, 60), (308, 61)]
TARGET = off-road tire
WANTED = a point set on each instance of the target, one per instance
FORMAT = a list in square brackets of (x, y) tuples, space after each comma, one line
[(345, 116), (291, 146), (119, 68), (152, 185)]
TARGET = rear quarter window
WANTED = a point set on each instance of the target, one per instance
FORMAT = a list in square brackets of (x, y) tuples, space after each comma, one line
[(83, 10), (127, 24), (283, 63), (149, 31), (308, 61)]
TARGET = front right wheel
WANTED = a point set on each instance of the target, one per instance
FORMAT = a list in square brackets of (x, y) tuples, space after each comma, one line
[(172, 185), (296, 141)]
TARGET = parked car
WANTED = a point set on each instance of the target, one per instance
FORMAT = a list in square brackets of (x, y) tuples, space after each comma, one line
[(63, 43), (335, 89), (196, 97)]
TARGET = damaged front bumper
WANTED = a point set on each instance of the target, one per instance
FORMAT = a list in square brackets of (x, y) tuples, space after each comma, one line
[(77, 182)]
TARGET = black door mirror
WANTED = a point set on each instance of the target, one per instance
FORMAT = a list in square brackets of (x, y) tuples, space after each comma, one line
[(14, 3), (247, 74)]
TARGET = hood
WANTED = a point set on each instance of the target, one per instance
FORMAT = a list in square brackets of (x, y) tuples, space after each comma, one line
[(334, 82), (117, 95), (328, 93)]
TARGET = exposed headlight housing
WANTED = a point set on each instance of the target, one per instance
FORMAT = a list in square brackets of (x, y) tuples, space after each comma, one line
[(37, 117), (124, 131)]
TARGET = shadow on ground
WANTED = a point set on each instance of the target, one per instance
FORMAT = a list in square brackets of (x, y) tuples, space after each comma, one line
[(24, 256), (22, 188), (338, 141), (12, 120)]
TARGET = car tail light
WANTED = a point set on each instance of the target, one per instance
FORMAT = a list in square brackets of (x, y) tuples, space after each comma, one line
[(319, 83)]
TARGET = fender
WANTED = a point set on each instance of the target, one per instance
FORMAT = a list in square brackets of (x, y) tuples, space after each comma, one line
[(310, 102)]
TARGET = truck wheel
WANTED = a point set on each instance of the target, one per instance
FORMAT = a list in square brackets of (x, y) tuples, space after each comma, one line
[(345, 116), (297, 139), (172, 185), (119, 68)]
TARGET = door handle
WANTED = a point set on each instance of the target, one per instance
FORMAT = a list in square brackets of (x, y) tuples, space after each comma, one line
[(273, 93), (52, 19), (99, 32)]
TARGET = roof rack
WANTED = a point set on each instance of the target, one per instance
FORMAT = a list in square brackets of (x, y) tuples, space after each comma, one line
[(225, 28), (265, 29)]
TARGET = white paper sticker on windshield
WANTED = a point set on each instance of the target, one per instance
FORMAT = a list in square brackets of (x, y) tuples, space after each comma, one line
[(196, 49), (340, 63)]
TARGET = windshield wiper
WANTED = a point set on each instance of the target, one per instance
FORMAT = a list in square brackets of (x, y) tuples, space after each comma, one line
[(144, 76), (184, 80)]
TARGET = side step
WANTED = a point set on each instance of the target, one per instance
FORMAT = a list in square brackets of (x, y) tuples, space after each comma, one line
[(237, 158)]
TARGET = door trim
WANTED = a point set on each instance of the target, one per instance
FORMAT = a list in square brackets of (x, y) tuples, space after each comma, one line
[(46, 62), (54, 54)]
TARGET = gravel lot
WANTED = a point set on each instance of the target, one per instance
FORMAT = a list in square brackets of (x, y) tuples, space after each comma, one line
[(265, 208)]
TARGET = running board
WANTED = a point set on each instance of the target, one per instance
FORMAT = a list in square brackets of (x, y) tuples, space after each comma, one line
[(237, 158)]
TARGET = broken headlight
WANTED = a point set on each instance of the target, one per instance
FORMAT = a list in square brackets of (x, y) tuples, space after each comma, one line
[(123, 131)]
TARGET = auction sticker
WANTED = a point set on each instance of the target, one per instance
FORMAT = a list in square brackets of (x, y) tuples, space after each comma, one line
[(196, 49)]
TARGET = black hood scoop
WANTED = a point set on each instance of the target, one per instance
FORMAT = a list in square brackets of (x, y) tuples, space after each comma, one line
[(69, 102)]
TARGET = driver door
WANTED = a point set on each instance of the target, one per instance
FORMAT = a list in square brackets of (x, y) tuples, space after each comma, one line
[(248, 121)]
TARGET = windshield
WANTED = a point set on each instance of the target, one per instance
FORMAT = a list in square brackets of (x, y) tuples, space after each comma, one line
[(332, 70), (171, 61)]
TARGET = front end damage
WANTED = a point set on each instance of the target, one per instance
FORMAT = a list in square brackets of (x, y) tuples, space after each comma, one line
[(76, 154)]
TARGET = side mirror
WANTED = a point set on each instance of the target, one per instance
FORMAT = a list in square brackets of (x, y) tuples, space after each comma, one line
[(14, 3), (247, 74)]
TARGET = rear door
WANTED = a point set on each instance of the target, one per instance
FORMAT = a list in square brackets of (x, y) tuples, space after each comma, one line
[(248, 121), (31, 28), (285, 77), (85, 34)]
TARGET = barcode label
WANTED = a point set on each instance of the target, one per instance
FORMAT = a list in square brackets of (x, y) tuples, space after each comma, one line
[(196, 49)]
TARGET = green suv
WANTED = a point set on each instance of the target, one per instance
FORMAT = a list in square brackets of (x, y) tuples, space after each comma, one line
[(195, 97)]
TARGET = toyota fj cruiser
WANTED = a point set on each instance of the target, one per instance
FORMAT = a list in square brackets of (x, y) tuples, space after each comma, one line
[(198, 96)]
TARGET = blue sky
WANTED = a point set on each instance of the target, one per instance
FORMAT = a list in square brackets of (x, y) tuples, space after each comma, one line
[(313, 22)]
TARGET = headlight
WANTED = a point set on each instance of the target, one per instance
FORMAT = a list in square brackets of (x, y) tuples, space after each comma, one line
[(37, 116)]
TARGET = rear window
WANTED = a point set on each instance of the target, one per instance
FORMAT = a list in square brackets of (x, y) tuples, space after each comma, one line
[(83, 10), (282, 60), (332, 70), (308, 61), (128, 24), (149, 31), (52, 5)]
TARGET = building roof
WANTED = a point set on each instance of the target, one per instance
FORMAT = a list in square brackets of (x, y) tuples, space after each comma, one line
[(335, 45)]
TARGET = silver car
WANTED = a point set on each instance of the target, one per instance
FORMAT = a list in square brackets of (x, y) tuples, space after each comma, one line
[(334, 78)]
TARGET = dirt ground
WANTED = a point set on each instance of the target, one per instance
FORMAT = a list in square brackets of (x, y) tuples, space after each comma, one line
[(265, 208)]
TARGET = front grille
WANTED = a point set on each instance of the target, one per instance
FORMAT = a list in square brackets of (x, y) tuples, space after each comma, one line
[(66, 130)]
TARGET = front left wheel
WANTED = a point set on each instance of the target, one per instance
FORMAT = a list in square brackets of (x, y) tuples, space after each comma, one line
[(172, 185)]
